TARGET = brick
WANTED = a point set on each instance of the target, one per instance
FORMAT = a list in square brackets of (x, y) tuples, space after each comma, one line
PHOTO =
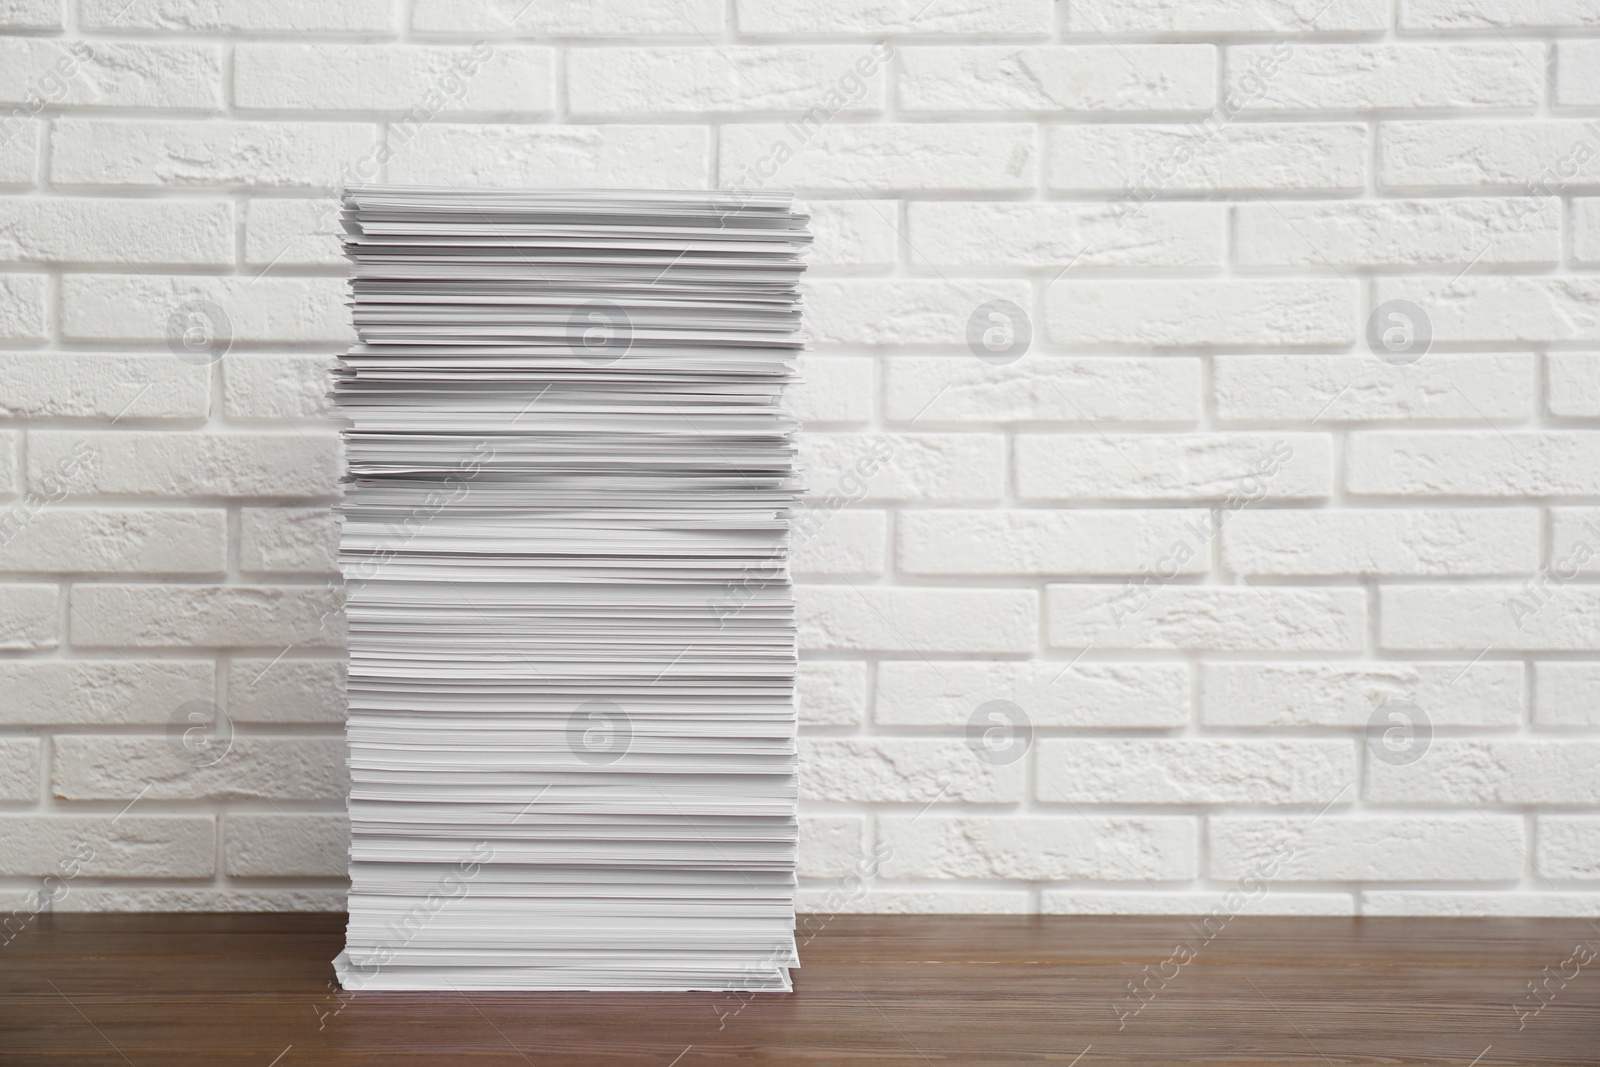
[(1206, 618), (610, 156), (1586, 230), (102, 385), (882, 157), (234, 898), (17, 512), (1095, 389), (1277, 17), (161, 463), (904, 466), (903, 770), (1506, 618), (1398, 233), (306, 845), (31, 15), (107, 846), (19, 149), (28, 613), (876, 311), (1572, 384), (1050, 694), (1488, 309), (831, 693), (293, 233), (830, 847), (1078, 541), (1577, 83), (848, 543), (420, 80), (842, 79), (1371, 848), (102, 767), (22, 307), (19, 768), (180, 616), (1499, 771), (1485, 693), (833, 389), (1511, 463), (570, 18), (1531, 157), (215, 153), (1359, 387), (1496, 14), (1423, 902), (1574, 542), (1176, 902), (141, 307), (858, 234), (892, 16), (881, 901), (283, 689), (850, 618), (274, 387), (289, 541), (1382, 541), (104, 74), (113, 692), (1056, 78), (1569, 847), (1192, 771), (1234, 468), (1041, 848), (1258, 311), (1566, 694), (120, 540), (1053, 234), (299, 16), (1141, 161), (1388, 76)]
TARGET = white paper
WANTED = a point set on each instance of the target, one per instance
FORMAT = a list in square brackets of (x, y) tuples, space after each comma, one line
[(571, 626)]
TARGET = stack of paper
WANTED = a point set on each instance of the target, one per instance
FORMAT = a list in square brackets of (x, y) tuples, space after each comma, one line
[(571, 626)]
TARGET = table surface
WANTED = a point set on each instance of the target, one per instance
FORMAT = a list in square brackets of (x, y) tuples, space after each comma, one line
[(219, 990)]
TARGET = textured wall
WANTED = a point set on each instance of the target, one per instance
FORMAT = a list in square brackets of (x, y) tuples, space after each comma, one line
[(1204, 422)]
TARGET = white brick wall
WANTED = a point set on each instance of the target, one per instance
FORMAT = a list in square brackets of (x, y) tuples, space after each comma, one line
[(1145, 544)]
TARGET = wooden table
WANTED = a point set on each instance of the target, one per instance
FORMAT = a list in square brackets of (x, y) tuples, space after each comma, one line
[(224, 990)]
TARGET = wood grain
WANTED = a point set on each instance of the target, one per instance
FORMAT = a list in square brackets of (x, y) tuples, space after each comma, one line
[(224, 990)]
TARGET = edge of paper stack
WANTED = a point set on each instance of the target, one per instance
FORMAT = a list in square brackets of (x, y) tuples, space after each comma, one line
[(571, 626)]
